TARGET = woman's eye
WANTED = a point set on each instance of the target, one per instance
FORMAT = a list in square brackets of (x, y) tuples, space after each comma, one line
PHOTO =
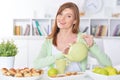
[(68, 16), (60, 14)]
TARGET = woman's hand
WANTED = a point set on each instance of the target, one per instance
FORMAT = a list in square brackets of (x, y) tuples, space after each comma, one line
[(68, 47), (66, 50), (89, 40)]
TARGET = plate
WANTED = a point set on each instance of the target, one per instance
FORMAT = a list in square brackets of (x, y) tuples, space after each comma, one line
[(21, 74), (78, 76), (3, 77)]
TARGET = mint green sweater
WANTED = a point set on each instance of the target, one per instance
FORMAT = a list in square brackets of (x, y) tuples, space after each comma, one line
[(45, 58)]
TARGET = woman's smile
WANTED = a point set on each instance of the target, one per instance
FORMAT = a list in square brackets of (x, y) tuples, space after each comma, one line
[(61, 23)]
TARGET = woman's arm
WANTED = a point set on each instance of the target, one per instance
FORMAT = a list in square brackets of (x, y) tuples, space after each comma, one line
[(102, 58), (45, 57)]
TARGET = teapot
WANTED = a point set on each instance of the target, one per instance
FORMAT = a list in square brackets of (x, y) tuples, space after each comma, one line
[(77, 52)]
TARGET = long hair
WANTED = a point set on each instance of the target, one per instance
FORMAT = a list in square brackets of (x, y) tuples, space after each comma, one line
[(75, 28)]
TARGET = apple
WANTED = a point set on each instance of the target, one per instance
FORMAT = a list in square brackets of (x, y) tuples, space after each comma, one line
[(111, 70), (96, 69), (103, 71), (100, 70), (118, 72), (52, 72)]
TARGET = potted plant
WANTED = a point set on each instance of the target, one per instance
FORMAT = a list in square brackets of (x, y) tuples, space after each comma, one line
[(8, 50)]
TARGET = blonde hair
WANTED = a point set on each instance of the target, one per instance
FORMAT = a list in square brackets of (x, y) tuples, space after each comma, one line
[(55, 28)]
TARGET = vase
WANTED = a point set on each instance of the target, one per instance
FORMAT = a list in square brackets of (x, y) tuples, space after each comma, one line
[(7, 62)]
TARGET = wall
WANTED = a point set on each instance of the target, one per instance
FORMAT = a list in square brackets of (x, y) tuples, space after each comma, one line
[(12, 9), (111, 47), (29, 48)]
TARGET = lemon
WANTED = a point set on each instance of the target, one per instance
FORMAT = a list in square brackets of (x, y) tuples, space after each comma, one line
[(52, 72)]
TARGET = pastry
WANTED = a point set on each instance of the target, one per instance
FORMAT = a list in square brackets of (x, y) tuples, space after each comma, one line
[(28, 74), (68, 74), (18, 74), (35, 74), (12, 71), (41, 71), (74, 73), (25, 72), (4, 70)]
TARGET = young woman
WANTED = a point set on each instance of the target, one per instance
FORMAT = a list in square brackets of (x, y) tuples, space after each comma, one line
[(66, 31)]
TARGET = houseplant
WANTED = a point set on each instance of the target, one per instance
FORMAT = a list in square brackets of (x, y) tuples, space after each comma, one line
[(8, 51)]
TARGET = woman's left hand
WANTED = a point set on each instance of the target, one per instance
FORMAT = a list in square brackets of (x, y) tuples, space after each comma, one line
[(89, 40)]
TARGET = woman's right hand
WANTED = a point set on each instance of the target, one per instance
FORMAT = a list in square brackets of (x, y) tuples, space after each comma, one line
[(67, 48)]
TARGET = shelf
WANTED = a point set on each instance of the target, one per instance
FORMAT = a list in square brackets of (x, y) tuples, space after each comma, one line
[(98, 27)]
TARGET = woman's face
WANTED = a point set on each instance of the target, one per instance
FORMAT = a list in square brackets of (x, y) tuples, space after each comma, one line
[(66, 19)]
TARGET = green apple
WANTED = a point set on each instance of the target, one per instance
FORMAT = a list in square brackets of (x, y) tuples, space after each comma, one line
[(111, 70), (118, 72), (52, 72), (103, 71), (100, 70), (96, 69)]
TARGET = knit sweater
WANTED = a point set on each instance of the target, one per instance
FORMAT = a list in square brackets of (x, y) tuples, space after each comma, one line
[(45, 57)]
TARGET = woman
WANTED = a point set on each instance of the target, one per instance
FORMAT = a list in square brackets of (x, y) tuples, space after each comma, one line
[(66, 31)]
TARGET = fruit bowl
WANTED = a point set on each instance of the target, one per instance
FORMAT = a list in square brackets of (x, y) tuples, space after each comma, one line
[(96, 76)]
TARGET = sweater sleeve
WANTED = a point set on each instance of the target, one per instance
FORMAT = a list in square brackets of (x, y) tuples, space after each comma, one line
[(45, 57), (102, 58)]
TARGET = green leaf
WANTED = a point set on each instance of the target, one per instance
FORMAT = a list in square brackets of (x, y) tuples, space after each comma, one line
[(8, 48)]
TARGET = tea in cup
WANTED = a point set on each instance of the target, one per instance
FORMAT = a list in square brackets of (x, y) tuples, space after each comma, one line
[(60, 65)]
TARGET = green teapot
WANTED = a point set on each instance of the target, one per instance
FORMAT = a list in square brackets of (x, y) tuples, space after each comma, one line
[(77, 52)]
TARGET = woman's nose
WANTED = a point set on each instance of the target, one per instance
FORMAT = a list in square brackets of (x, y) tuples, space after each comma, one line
[(62, 17)]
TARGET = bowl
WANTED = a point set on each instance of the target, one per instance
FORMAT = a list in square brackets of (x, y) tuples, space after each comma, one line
[(96, 76)]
